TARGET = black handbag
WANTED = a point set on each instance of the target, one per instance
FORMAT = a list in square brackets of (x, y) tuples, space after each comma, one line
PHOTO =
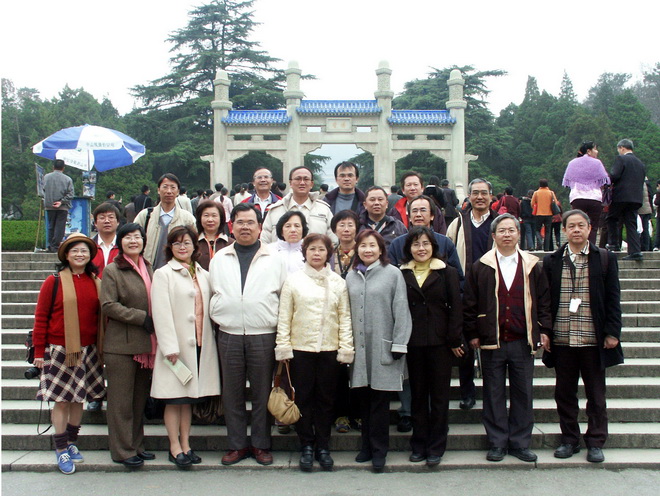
[(209, 411)]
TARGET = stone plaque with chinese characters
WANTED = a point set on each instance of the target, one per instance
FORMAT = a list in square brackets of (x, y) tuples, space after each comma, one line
[(338, 125)]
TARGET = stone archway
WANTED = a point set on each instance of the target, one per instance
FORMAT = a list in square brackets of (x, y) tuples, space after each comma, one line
[(372, 125)]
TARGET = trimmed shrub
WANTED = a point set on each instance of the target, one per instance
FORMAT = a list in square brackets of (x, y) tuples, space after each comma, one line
[(20, 235)]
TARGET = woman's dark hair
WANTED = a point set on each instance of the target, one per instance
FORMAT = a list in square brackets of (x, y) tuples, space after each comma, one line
[(317, 237), (178, 233), (90, 268), (381, 245), (413, 235), (203, 205), (285, 218), (343, 215), (543, 183), (127, 229), (586, 146)]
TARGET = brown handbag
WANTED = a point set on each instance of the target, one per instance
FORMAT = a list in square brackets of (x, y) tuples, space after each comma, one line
[(282, 407)]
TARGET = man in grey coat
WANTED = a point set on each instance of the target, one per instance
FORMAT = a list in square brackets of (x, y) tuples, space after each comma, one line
[(58, 193)]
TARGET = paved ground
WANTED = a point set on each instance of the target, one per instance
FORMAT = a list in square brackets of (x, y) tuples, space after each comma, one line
[(579, 481)]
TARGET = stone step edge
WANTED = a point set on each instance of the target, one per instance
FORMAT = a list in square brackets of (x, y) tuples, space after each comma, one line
[(397, 461)]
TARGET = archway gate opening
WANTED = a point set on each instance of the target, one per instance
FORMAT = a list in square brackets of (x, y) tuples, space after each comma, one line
[(372, 125)]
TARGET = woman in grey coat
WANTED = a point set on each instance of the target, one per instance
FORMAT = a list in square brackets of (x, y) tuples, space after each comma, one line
[(381, 331)]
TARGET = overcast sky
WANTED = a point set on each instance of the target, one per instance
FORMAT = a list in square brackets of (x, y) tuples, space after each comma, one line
[(106, 47)]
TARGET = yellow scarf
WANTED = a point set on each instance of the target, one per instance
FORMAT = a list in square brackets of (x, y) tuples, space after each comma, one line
[(421, 270), (71, 323)]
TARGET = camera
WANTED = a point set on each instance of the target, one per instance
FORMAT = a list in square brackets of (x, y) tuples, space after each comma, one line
[(32, 372)]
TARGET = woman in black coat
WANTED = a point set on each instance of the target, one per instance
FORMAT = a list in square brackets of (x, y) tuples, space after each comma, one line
[(437, 314)]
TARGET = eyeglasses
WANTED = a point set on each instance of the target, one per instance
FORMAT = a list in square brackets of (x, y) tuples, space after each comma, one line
[(419, 210), (187, 244), (135, 237), (480, 193), (300, 179), (79, 251), (259, 178), (248, 223), (507, 231)]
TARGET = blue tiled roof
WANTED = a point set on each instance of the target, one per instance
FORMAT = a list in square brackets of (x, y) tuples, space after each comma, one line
[(338, 107), (430, 117), (257, 117)]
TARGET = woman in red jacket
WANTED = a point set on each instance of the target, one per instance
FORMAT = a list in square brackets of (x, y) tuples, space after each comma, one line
[(65, 336)]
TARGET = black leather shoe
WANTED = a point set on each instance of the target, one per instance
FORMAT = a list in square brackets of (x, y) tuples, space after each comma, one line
[(132, 462), (523, 454), (306, 459), (378, 464), (145, 455), (94, 406), (405, 424), (181, 460), (566, 450), (363, 456), (433, 460), (193, 457), (495, 454), (612, 248), (324, 459), (467, 403), (595, 455), (634, 256), (417, 457)]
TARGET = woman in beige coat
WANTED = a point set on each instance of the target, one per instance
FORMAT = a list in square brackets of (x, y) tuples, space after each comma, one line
[(314, 331), (180, 296)]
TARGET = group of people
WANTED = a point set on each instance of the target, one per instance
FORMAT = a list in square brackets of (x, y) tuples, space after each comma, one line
[(361, 302)]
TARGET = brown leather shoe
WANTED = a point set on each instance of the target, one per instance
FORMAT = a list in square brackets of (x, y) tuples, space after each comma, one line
[(235, 456), (263, 456)]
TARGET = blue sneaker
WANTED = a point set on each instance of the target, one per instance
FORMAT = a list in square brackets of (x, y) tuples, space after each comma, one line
[(64, 463), (75, 455)]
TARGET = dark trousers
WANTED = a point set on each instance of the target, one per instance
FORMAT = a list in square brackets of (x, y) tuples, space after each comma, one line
[(513, 430), (246, 357), (127, 392), (627, 212), (657, 233), (466, 376), (527, 238), (346, 403), (593, 208), (645, 237), (56, 228), (430, 377), (314, 377), (541, 221), (375, 412), (571, 362)]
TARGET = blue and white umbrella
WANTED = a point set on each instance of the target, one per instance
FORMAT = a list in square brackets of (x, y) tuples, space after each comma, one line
[(84, 147)]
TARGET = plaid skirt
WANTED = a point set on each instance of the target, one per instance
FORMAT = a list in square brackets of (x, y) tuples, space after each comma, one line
[(73, 384)]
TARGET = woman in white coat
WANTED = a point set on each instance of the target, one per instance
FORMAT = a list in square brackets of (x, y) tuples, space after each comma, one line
[(314, 332), (180, 295)]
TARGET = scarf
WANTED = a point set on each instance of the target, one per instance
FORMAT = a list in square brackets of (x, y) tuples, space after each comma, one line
[(71, 322), (199, 302), (585, 172), (146, 360), (421, 270)]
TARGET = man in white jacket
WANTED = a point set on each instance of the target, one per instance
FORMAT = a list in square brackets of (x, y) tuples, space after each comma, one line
[(246, 281)]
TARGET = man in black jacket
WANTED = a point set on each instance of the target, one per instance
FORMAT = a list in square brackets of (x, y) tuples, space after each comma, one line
[(628, 173), (586, 315)]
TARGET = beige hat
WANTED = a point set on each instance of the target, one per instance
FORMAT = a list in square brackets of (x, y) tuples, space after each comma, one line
[(73, 238)]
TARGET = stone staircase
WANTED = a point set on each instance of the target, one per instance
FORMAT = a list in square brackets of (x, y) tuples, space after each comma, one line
[(633, 395)]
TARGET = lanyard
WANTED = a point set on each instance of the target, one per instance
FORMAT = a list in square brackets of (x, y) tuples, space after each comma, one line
[(573, 271), (344, 268), (378, 227), (211, 245)]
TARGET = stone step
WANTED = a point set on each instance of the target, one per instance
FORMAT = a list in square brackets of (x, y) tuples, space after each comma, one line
[(26, 285), (632, 273), (212, 437), (640, 307), (25, 322), (640, 319), (20, 296), (25, 275), (544, 387), (22, 256), (29, 265), (545, 411), (397, 462), (638, 294), (640, 283)]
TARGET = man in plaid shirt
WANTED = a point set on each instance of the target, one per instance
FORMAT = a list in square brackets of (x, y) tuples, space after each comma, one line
[(586, 313)]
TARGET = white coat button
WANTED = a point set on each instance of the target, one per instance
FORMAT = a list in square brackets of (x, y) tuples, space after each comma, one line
[(192, 293), (192, 342), (191, 318)]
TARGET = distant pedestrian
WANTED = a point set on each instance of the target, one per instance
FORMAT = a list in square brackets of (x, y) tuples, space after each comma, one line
[(542, 203), (58, 193)]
